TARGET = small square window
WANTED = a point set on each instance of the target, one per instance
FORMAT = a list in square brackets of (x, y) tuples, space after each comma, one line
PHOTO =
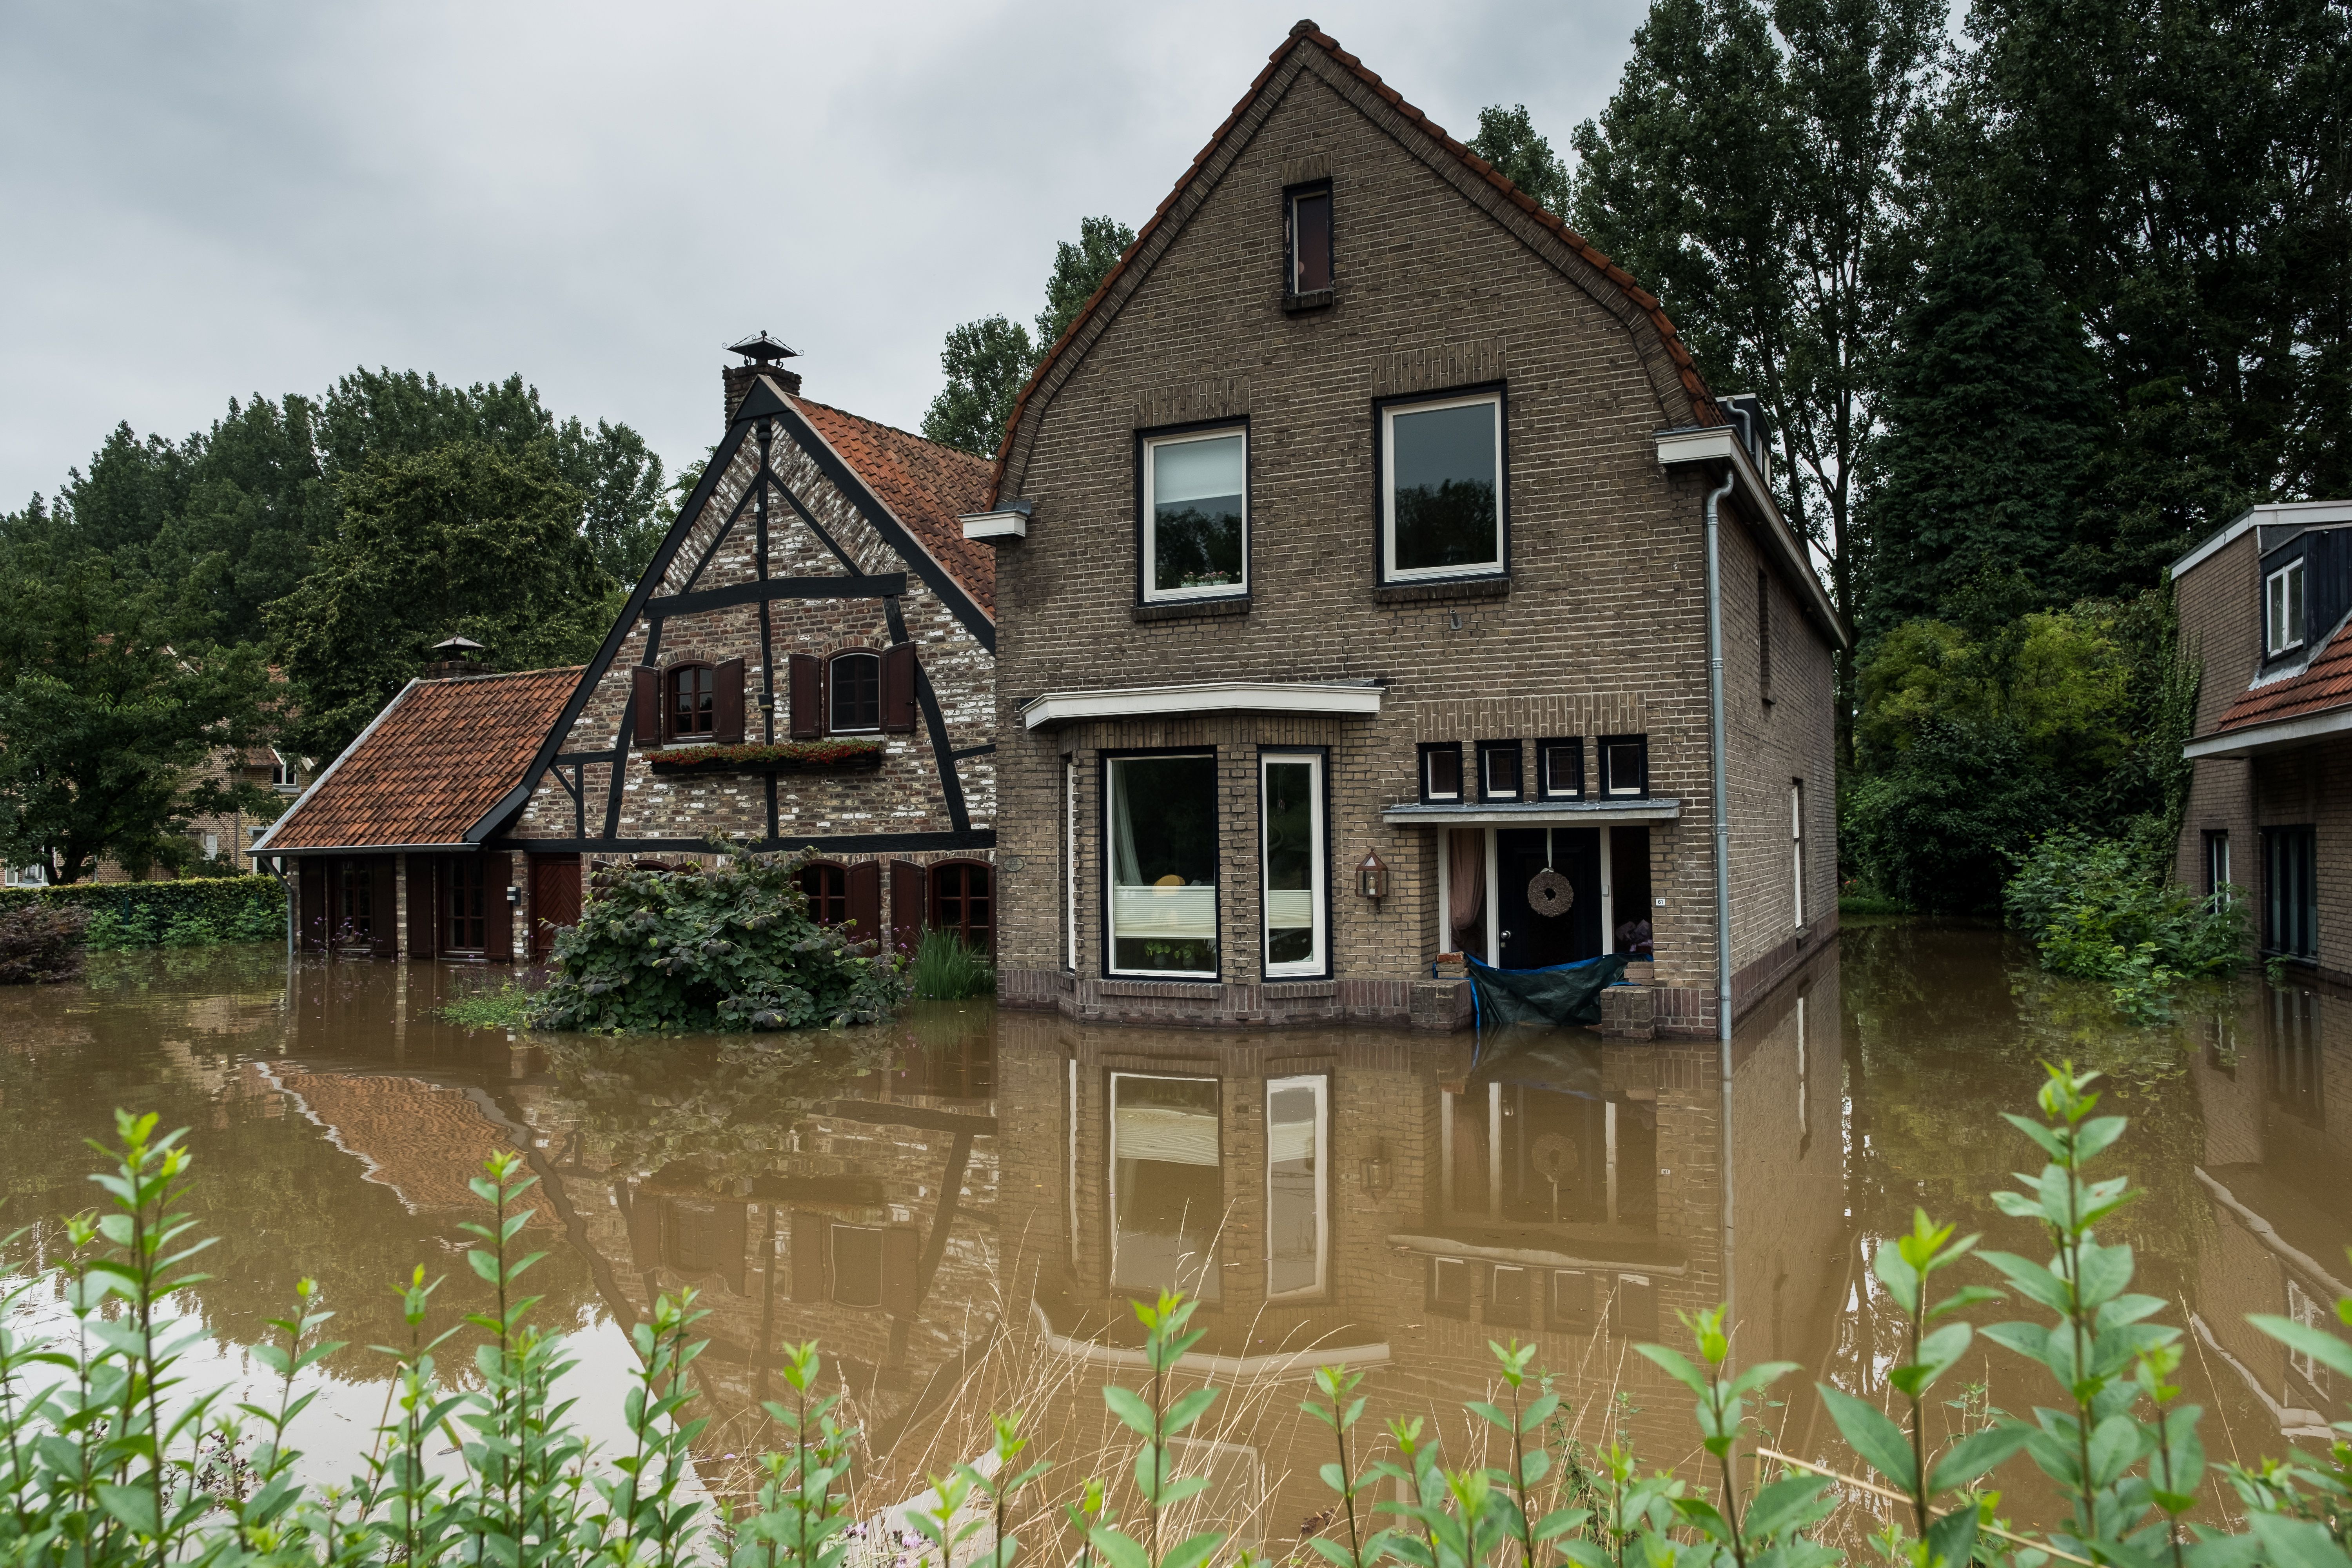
[(1499, 770), (1196, 515), (1624, 766), (1441, 770), (1310, 241), (1509, 1289), (1560, 769), (1571, 1302), (1449, 1286)]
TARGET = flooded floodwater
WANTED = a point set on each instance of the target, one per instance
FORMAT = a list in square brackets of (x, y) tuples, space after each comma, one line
[(959, 1207)]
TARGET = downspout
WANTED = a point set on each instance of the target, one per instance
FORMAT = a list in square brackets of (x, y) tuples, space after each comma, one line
[(1720, 809)]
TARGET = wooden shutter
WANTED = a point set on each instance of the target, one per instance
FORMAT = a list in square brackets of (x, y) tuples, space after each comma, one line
[(902, 1292), (424, 905), (727, 703), (807, 680), (866, 900), (554, 900), (497, 871), (907, 911), (733, 1241), (645, 685), (898, 687), (383, 898), (808, 1256)]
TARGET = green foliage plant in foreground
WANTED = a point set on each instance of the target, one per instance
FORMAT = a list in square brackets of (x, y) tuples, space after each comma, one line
[(944, 968), (103, 1440), (690, 951), (2105, 909)]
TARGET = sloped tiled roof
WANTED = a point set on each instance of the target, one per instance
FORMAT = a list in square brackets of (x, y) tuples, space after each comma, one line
[(432, 765), (2324, 685), (1306, 34), (928, 486)]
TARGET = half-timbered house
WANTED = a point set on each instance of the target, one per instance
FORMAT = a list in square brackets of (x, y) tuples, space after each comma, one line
[(807, 663)]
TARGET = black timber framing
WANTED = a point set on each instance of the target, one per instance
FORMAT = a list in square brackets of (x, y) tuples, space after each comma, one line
[(838, 844), (887, 585)]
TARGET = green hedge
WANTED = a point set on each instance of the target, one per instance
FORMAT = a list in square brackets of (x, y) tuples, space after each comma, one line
[(190, 912)]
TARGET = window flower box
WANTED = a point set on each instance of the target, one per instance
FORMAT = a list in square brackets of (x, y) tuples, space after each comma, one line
[(860, 756)]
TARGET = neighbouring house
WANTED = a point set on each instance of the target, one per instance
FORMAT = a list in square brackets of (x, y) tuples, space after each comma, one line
[(1362, 550), (807, 663), (2264, 606)]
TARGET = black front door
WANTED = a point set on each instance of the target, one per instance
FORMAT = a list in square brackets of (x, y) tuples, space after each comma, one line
[(1532, 941)]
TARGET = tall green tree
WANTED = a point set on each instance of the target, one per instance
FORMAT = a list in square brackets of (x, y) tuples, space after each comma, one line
[(1750, 169), (1994, 411), (1078, 270), (256, 504), (986, 363), (2184, 172), (105, 726), (463, 539), (1509, 140)]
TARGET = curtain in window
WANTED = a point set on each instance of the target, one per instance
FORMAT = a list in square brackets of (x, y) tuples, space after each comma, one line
[(1466, 889)]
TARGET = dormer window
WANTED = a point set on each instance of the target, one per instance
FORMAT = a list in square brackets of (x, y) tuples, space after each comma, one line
[(2282, 609), (693, 701), (1309, 244)]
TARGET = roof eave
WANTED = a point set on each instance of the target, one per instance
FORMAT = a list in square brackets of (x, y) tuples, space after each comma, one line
[(1718, 444), (2277, 733), (262, 845)]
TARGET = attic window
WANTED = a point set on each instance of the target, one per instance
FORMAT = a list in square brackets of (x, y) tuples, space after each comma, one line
[(693, 701), (856, 685), (2282, 609), (1309, 225)]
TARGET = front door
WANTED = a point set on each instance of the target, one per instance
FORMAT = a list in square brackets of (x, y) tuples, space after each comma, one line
[(1531, 940)]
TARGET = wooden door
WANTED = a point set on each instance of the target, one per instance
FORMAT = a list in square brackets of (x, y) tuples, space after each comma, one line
[(555, 901), (906, 906), (865, 900)]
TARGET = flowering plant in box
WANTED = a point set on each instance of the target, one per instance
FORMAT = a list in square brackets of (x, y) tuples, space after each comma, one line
[(790, 754)]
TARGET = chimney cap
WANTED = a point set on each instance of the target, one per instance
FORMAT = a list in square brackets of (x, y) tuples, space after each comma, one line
[(762, 350), (456, 647)]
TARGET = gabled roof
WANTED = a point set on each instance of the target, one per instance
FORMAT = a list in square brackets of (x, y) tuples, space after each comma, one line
[(431, 768), (928, 485), (1305, 35), (2324, 685)]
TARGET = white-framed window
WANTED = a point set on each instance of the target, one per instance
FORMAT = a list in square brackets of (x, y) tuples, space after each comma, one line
[(34, 875), (1310, 239), (1797, 845), (1291, 861), (282, 771), (1167, 1185), (1560, 768), (1441, 770), (1196, 514), (1162, 828), (2217, 865), (1499, 770), (2282, 609), (1070, 859), (1442, 488), (1297, 1185), (1624, 765)]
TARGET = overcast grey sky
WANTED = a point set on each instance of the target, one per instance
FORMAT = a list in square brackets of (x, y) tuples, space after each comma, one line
[(211, 200)]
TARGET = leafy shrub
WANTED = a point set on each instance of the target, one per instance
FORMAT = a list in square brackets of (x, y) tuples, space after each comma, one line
[(105, 1453), (945, 969), (692, 950), (1935, 831), (2103, 908), (507, 1008), (191, 912), (41, 943)]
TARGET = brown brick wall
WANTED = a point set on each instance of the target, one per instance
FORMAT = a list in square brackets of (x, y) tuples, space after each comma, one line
[(1602, 631)]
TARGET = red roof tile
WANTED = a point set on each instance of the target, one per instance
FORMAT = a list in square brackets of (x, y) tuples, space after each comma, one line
[(1300, 36), (928, 486), (436, 760), (2325, 684)]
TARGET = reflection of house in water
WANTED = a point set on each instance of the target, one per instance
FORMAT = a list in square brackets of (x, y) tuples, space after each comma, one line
[(2274, 1135)]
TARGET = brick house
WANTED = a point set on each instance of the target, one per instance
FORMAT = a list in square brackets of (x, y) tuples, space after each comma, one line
[(2264, 606), (1362, 550), (808, 662)]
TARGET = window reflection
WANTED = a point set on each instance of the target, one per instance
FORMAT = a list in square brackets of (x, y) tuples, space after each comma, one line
[(1297, 1201), (1167, 1188)]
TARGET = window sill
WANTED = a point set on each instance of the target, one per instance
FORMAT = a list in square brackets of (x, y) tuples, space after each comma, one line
[(1192, 609), (1300, 304), (1452, 588)]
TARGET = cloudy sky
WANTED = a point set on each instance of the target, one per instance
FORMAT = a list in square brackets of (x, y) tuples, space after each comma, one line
[(209, 200)]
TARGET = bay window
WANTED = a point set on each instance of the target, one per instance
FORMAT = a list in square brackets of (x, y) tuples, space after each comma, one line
[(1162, 831), (1195, 515), (1442, 488), (1292, 862)]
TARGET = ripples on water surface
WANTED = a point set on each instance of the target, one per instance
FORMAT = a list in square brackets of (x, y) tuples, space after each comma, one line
[(959, 1205)]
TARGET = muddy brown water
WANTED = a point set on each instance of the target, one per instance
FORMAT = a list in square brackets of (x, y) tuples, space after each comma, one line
[(958, 1207)]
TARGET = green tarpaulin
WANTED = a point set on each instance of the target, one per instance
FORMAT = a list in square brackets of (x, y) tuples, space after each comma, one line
[(1564, 994)]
